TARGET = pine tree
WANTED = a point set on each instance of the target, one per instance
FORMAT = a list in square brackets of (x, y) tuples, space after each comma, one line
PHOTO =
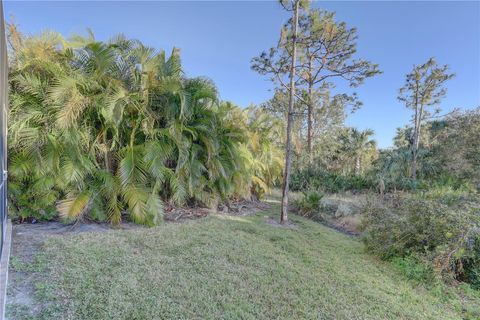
[(424, 89)]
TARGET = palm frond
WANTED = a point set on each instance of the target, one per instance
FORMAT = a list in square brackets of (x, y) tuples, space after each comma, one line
[(74, 206)]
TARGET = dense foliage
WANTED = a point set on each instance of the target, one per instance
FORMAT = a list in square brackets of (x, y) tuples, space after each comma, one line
[(348, 161), (106, 129), (345, 163), (312, 178), (447, 155), (437, 229)]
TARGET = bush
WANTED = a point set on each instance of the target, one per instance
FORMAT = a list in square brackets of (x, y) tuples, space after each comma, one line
[(444, 235), (31, 199), (317, 179), (414, 268), (309, 204)]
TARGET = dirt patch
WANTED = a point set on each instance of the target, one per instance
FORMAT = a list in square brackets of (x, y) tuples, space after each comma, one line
[(27, 237), (236, 208), (342, 212), (243, 208), (346, 225), (275, 223), (173, 214)]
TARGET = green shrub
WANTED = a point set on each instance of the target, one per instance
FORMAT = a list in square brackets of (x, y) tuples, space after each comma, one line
[(414, 268), (448, 195), (443, 234), (317, 179), (33, 199), (309, 204)]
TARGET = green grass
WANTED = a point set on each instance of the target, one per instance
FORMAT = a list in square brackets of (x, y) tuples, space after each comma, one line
[(225, 267)]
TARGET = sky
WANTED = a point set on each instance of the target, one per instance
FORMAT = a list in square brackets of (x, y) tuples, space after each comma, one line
[(218, 39)]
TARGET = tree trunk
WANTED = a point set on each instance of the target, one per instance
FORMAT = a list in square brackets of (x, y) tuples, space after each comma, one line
[(310, 111), (416, 141), (288, 144), (309, 132), (357, 165), (413, 170), (414, 165)]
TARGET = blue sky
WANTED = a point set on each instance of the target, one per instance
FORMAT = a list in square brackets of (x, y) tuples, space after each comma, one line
[(218, 40)]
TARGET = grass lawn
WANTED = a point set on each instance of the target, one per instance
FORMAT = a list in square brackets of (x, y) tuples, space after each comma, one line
[(223, 267)]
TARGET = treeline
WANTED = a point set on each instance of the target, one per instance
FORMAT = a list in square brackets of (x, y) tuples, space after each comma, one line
[(447, 157), (115, 129)]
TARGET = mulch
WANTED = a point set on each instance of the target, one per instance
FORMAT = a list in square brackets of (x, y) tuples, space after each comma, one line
[(174, 214), (234, 208)]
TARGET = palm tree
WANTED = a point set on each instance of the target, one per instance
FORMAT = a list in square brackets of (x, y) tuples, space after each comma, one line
[(356, 144), (106, 128), (266, 163)]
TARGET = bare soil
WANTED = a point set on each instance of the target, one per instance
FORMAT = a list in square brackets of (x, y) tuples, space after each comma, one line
[(244, 207), (347, 225), (276, 223)]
